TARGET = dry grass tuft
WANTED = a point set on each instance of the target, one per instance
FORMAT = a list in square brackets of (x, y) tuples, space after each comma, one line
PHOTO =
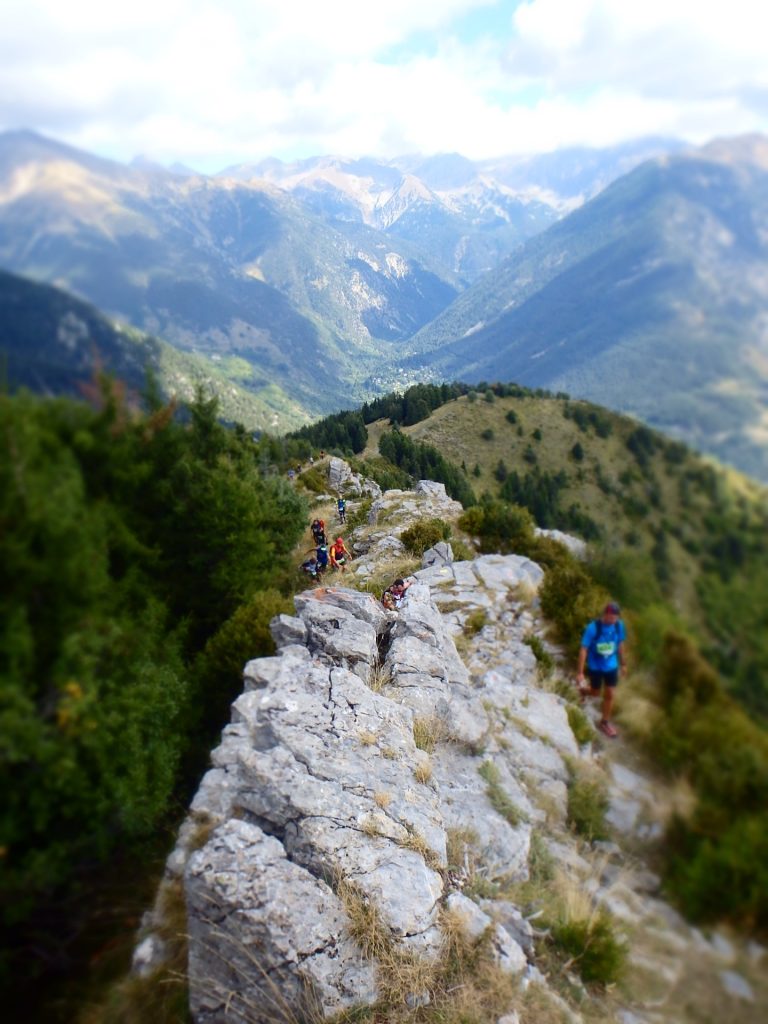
[(415, 841), (371, 827), (423, 772), (428, 732), (367, 738), (674, 799), (380, 677), (461, 985), (382, 800)]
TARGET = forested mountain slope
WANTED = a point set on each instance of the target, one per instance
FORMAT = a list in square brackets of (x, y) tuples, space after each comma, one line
[(650, 299), (55, 344)]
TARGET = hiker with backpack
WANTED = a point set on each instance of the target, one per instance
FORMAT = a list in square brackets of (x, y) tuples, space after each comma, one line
[(341, 507), (603, 655), (394, 595), (318, 531)]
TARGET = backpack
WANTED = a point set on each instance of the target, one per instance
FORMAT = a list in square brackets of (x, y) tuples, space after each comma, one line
[(322, 555), (599, 627)]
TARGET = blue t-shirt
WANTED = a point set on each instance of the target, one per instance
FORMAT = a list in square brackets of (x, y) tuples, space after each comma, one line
[(603, 655)]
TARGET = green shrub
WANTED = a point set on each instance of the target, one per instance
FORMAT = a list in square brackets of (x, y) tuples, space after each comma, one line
[(501, 527), (487, 434), (499, 798), (474, 622), (737, 857), (541, 863), (358, 514), (580, 725), (544, 659), (600, 956), (144, 536), (462, 552), (314, 480), (570, 599), (425, 534), (244, 636), (587, 806)]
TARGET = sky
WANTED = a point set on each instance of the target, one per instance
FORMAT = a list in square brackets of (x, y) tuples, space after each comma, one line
[(210, 83)]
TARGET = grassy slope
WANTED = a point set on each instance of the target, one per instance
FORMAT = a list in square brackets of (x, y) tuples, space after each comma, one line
[(626, 516)]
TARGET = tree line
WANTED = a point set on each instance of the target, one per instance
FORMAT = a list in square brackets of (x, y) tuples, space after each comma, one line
[(141, 558)]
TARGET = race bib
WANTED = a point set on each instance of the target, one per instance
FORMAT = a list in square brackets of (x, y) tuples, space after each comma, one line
[(605, 648)]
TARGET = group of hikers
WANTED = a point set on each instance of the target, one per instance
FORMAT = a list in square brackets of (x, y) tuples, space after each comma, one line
[(602, 654), (322, 555)]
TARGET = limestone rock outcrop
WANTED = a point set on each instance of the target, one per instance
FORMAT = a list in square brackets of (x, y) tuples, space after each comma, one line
[(369, 769), (343, 480), (322, 782)]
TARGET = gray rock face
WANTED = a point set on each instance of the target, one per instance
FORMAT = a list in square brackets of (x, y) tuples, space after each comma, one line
[(342, 480), (302, 938), (475, 922), (318, 781), (314, 782), (737, 986), (320, 801), (286, 629), (400, 509), (363, 751), (440, 554)]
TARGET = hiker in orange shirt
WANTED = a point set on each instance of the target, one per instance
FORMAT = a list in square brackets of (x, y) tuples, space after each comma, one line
[(339, 555)]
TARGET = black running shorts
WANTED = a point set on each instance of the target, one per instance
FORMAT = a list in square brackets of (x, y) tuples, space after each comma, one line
[(597, 679)]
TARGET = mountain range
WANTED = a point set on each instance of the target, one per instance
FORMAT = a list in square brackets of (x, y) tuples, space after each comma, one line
[(652, 298), (309, 278), (468, 214), (216, 267), (636, 277)]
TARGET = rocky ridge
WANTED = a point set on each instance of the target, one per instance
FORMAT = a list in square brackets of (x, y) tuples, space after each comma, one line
[(368, 766)]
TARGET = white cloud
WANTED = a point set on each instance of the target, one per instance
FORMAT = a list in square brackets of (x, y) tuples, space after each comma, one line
[(212, 83)]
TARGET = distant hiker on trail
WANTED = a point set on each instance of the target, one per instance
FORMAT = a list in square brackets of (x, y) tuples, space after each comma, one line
[(318, 531), (339, 554), (341, 506), (394, 596), (602, 652)]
